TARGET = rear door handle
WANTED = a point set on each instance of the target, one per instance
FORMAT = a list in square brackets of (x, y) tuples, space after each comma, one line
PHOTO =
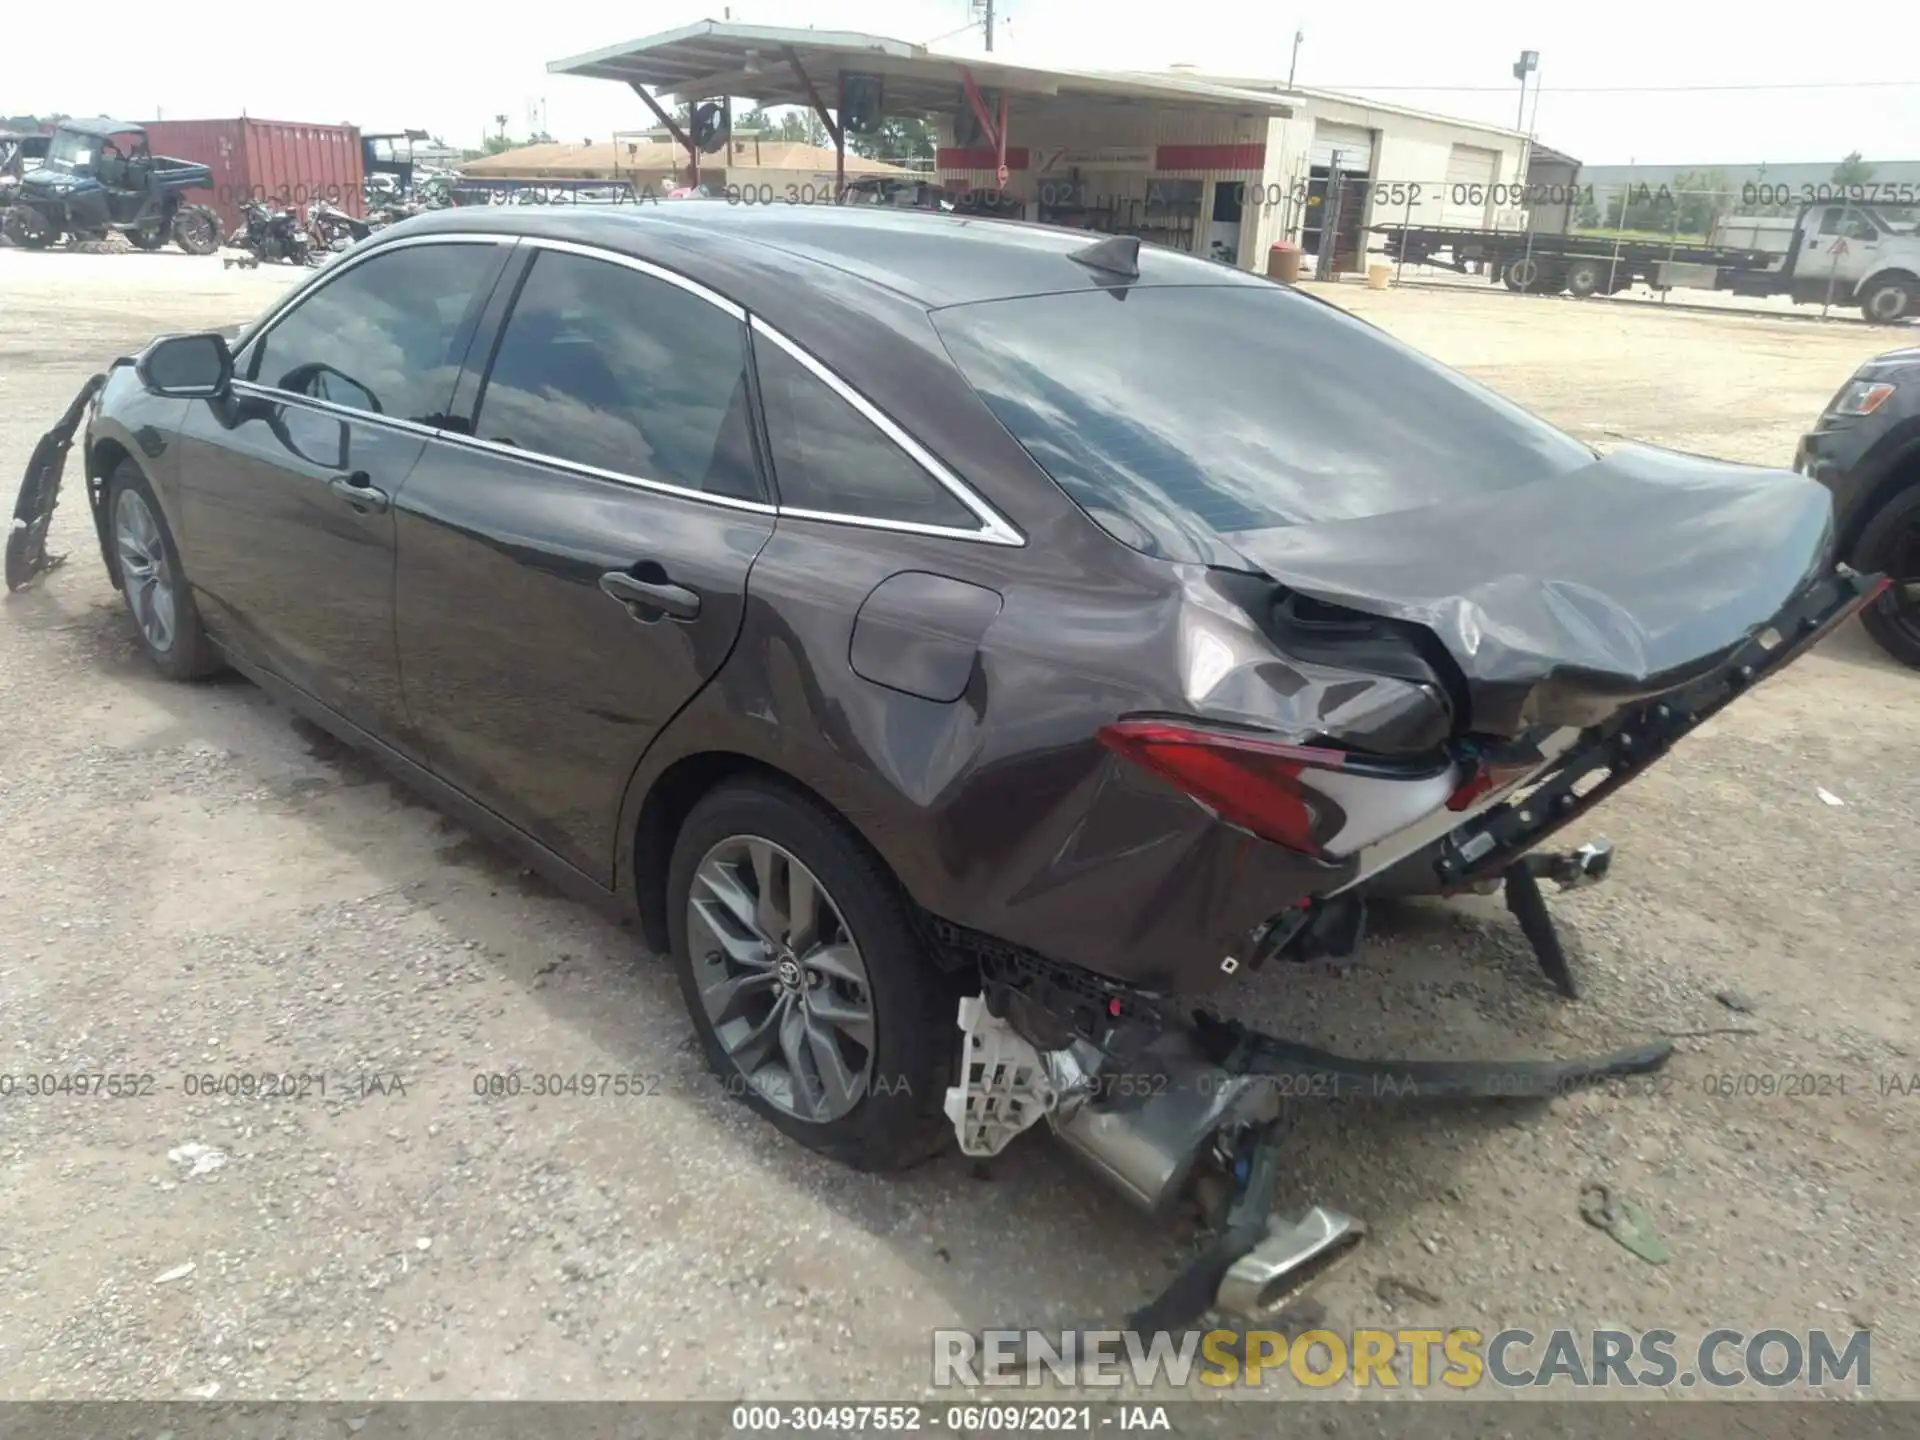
[(358, 491), (649, 599)]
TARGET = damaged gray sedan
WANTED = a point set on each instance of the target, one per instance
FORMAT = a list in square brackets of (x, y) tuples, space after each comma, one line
[(963, 646)]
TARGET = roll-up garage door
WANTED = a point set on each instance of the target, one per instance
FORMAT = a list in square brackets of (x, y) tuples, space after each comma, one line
[(1471, 173), (1354, 142)]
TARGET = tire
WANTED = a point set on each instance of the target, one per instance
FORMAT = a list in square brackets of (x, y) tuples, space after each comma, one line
[(1532, 276), (196, 230), (1891, 301), (27, 228), (1585, 278), (897, 1120), (1890, 544), (185, 653), (147, 239)]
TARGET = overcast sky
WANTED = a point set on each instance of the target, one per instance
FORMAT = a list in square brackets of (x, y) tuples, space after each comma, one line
[(389, 65)]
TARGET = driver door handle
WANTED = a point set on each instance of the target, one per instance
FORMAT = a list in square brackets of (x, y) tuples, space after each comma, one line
[(649, 599), (358, 491)]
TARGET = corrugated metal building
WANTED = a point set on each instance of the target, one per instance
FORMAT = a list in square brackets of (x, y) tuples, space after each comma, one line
[(287, 162)]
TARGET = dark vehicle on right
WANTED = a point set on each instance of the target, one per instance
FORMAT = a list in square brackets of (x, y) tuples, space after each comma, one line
[(1865, 448), (99, 176)]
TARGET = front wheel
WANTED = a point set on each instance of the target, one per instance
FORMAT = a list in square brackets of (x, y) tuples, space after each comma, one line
[(813, 996), (157, 593), (1889, 302), (1890, 545)]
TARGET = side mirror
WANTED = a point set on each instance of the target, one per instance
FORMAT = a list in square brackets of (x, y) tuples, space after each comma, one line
[(186, 367)]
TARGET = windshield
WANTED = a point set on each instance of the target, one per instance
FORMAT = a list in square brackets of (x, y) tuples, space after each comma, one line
[(1178, 415), (70, 151)]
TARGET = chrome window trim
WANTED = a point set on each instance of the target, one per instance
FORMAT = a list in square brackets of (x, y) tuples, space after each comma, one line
[(594, 472), (645, 267), (334, 270), (515, 452), (995, 529), (330, 407)]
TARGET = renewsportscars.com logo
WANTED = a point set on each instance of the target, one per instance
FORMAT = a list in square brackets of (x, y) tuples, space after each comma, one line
[(1455, 1359)]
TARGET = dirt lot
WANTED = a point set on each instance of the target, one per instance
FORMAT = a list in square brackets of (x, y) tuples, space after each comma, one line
[(192, 883)]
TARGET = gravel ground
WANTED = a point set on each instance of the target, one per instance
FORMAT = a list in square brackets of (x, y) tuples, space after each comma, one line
[(194, 883)]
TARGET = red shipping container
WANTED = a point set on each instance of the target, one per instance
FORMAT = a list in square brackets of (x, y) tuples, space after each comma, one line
[(287, 163)]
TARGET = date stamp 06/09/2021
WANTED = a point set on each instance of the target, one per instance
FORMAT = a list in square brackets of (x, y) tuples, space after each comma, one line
[(323, 1083)]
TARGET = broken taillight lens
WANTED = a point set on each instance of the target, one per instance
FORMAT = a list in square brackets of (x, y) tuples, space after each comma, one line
[(1250, 782)]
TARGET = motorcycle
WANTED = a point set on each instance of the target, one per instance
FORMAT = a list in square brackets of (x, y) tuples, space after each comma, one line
[(333, 228), (270, 234)]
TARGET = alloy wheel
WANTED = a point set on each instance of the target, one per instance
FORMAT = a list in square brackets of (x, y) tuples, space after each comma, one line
[(144, 570), (781, 979)]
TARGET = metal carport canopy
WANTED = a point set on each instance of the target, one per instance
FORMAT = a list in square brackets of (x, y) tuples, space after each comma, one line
[(715, 57)]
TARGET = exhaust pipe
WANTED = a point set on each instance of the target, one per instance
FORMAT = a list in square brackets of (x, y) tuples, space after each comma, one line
[(1146, 1129), (1295, 1255)]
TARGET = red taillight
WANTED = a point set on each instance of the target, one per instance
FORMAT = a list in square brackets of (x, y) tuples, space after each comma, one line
[(1247, 781), (1486, 779)]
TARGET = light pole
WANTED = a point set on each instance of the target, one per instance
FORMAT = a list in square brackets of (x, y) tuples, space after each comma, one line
[(1294, 63), (1528, 62)]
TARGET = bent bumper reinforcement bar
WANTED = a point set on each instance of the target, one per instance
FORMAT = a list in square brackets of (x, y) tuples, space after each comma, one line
[(1624, 747)]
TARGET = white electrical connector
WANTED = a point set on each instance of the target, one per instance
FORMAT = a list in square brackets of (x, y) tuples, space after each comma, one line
[(1005, 1085)]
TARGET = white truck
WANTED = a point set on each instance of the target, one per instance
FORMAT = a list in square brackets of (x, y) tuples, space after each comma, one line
[(1846, 254)]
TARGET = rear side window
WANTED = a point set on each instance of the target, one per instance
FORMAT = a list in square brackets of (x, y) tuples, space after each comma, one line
[(1177, 414), (830, 458), (606, 366), (387, 336)]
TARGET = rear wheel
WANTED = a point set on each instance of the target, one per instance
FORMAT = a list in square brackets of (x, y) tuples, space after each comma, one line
[(1532, 275), (1890, 544), (156, 590), (27, 228), (1888, 302), (1586, 277), (814, 999)]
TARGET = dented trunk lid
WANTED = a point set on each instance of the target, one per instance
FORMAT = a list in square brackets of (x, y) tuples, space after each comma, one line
[(1565, 600)]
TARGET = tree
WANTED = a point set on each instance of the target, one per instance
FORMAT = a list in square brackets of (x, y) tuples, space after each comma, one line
[(901, 138), (788, 124), (1852, 170), (1701, 197), (497, 143)]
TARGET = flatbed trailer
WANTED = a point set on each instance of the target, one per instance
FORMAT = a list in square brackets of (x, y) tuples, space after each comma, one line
[(1830, 253), (1547, 264)]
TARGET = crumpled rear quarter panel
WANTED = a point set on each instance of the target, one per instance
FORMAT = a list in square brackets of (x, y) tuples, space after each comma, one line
[(1000, 810)]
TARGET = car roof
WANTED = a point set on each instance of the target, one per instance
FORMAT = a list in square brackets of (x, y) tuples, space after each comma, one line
[(932, 259)]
